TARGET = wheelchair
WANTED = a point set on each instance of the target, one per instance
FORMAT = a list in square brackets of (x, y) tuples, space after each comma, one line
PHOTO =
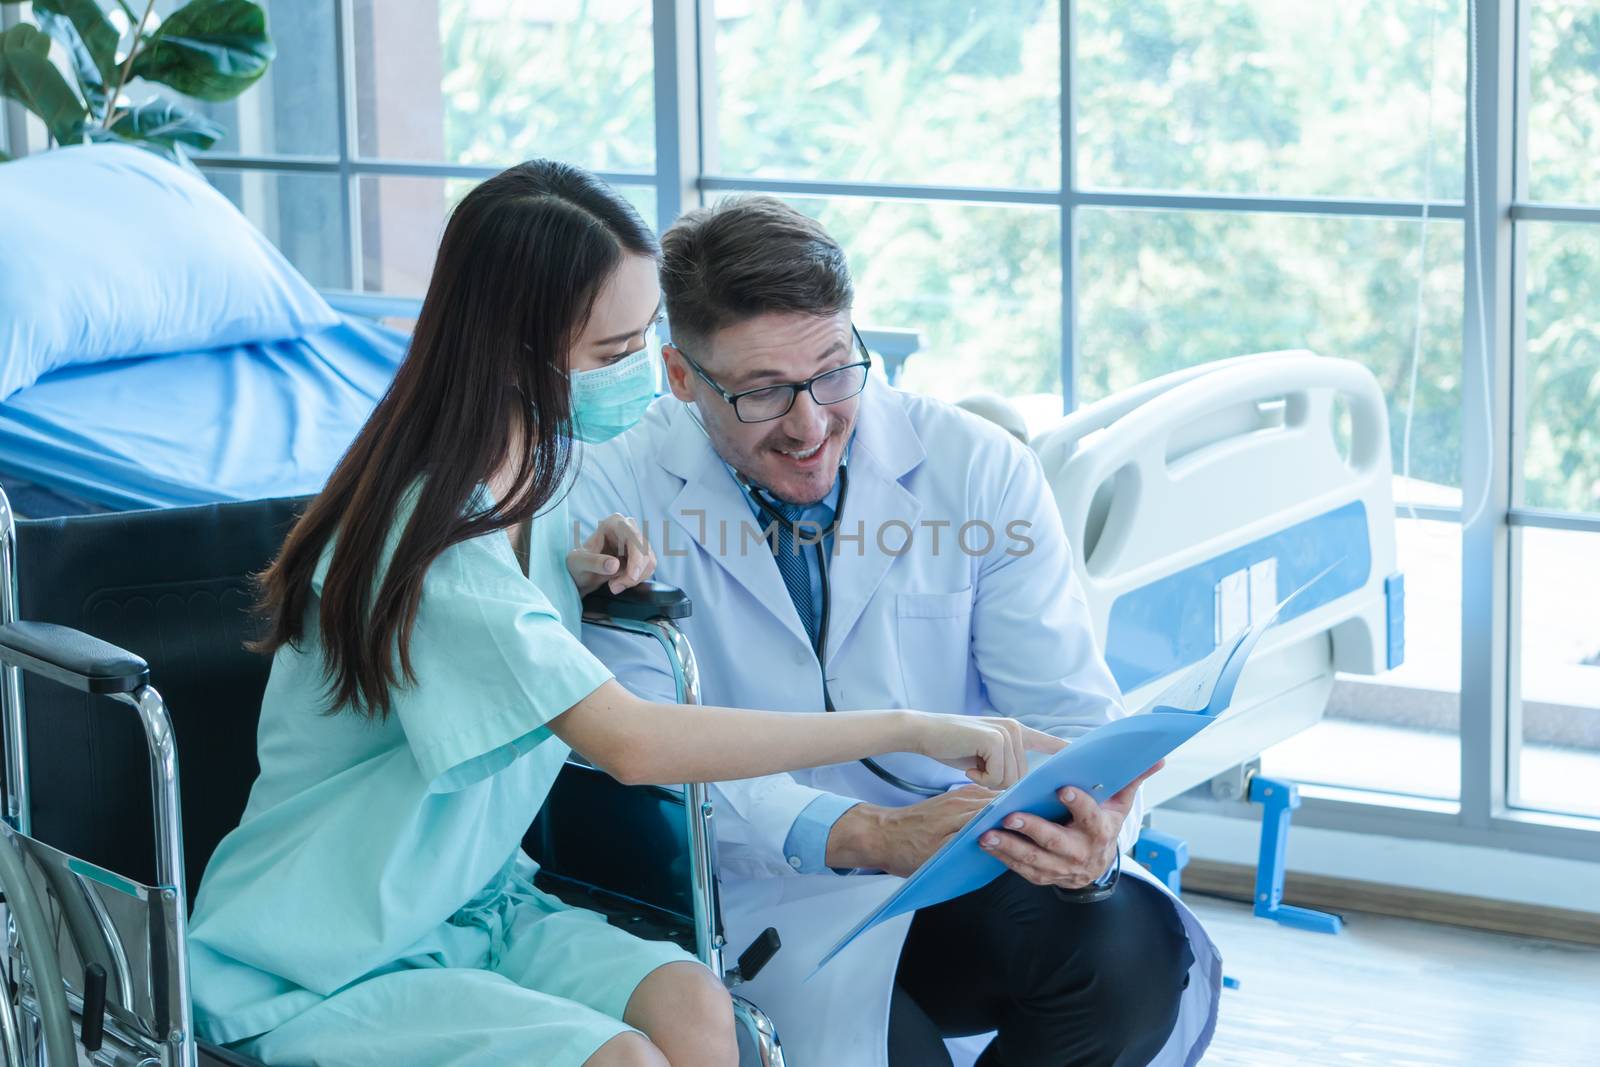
[(101, 837)]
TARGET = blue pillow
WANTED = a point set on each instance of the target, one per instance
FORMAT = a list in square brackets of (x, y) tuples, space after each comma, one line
[(108, 251)]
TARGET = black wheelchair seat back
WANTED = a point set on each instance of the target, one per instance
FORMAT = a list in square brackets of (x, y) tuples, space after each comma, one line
[(175, 587), (621, 851)]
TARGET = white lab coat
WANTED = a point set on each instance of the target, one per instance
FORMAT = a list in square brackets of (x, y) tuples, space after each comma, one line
[(937, 626)]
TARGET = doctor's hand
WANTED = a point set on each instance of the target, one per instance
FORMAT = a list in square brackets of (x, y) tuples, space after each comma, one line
[(1070, 856), (616, 555), (899, 840)]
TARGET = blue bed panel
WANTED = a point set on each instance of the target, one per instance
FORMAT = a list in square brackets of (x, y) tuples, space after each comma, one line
[(1172, 622)]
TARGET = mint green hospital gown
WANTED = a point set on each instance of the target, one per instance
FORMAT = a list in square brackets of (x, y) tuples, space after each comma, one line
[(374, 905)]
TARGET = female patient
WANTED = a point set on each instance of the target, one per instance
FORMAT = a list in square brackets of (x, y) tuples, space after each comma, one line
[(374, 906)]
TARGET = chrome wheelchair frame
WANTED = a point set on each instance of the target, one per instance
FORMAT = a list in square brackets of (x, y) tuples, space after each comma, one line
[(96, 962), (149, 1016), (651, 612)]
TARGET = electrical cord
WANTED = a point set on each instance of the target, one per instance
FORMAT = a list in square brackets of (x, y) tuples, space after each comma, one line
[(1422, 264), (1481, 320), (1474, 74)]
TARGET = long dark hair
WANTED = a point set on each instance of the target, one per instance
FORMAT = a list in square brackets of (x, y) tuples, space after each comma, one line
[(521, 261)]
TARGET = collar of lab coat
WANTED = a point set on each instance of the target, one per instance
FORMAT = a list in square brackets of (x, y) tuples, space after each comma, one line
[(887, 447)]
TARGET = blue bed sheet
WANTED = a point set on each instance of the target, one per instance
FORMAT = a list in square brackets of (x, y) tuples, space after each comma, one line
[(237, 423)]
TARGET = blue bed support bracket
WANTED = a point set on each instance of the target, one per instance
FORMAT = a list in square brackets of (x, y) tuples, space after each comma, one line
[(1163, 855), (1394, 597), (1278, 799)]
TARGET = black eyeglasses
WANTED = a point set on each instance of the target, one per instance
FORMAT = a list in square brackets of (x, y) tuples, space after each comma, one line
[(774, 401)]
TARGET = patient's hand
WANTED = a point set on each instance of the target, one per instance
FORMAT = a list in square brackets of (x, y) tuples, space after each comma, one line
[(1071, 856), (898, 840), (616, 554)]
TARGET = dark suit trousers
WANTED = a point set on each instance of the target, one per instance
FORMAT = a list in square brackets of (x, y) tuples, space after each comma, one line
[(1065, 984)]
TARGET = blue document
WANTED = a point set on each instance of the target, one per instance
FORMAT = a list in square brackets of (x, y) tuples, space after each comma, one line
[(1100, 763)]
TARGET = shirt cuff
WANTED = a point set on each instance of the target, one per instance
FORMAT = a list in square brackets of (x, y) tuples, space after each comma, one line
[(806, 847)]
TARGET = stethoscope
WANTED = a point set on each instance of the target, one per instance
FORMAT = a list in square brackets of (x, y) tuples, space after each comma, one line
[(819, 649)]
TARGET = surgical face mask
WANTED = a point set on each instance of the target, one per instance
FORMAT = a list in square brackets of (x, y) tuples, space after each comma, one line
[(609, 400)]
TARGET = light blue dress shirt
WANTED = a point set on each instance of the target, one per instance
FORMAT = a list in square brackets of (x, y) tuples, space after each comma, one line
[(806, 847)]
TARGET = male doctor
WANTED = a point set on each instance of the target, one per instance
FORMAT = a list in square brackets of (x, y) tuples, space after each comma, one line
[(847, 545)]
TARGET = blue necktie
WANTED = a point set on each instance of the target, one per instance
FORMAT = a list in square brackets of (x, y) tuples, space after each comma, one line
[(794, 562)]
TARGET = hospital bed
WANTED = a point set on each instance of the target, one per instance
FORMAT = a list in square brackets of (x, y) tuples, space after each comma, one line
[(241, 422), (1195, 503), (101, 836)]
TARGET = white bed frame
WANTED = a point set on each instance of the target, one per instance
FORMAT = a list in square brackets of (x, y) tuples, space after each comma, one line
[(1187, 467)]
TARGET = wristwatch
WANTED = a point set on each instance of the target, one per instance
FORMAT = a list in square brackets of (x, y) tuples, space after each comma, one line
[(1097, 890)]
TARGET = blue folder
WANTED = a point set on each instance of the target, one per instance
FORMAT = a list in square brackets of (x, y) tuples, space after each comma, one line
[(1100, 763)]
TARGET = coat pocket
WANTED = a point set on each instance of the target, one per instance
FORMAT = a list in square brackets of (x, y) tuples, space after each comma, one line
[(934, 636)]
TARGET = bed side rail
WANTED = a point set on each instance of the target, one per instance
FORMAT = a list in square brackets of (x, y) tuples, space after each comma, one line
[(1269, 468), (1057, 443)]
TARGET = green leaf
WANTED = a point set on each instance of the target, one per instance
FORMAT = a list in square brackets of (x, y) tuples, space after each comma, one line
[(208, 49), (174, 152), (86, 33), (166, 123), (27, 75)]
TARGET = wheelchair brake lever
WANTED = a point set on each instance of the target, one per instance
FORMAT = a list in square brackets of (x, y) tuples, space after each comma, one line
[(94, 1007), (756, 957)]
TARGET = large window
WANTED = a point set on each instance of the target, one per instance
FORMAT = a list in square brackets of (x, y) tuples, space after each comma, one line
[(1064, 199), (945, 119), (1348, 100), (1554, 720), (885, 91), (376, 118)]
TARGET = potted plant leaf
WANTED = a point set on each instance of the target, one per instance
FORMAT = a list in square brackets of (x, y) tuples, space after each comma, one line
[(208, 49)]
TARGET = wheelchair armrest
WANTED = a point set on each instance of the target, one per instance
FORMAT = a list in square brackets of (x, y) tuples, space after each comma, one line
[(642, 602), (71, 657)]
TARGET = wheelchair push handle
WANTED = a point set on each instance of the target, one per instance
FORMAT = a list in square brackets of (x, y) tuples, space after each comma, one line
[(71, 657), (640, 603)]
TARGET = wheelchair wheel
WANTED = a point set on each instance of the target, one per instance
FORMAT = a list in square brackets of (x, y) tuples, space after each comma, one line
[(10, 1030), (60, 1047)]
